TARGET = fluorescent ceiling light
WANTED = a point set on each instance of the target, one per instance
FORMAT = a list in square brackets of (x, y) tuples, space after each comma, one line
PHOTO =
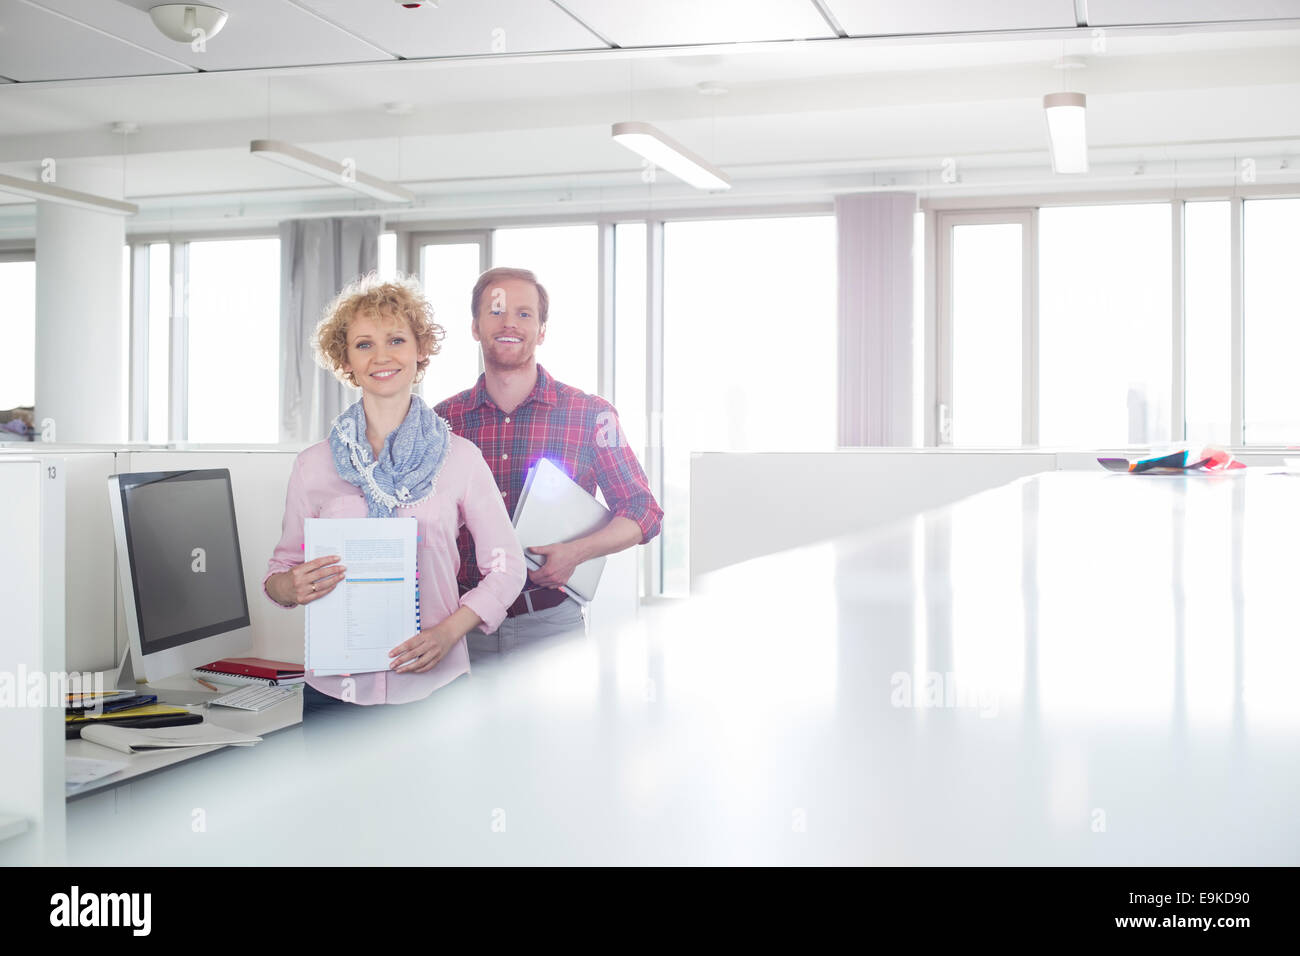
[(65, 197), (340, 174), (666, 153), (1066, 132)]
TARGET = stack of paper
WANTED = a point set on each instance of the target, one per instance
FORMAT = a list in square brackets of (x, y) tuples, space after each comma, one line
[(130, 740)]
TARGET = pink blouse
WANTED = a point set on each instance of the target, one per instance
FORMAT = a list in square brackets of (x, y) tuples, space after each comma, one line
[(465, 496)]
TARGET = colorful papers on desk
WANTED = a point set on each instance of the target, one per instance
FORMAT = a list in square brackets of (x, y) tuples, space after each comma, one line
[(1209, 460), (89, 698)]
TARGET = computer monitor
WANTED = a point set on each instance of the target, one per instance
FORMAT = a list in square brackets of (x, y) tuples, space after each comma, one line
[(181, 576)]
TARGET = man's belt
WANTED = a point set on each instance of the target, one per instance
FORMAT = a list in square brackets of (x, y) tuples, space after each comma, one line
[(536, 599)]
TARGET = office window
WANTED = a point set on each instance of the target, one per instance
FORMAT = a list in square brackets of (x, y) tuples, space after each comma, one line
[(1105, 336), (749, 351), (918, 329), (18, 333), (987, 317), (564, 259), (160, 335), (387, 255), (1271, 317), (447, 273), (630, 332), (234, 340), (1207, 322), (125, 354)]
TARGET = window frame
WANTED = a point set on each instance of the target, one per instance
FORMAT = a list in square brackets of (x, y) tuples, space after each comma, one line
[(941, 214), (1027, 219), (413, 234), (17, 251), (178, 312)]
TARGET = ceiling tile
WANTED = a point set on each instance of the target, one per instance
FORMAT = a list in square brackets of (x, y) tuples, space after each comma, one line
[(1121, 12), (681, 22), (888, 17), (460, 27), (260, 34), (37, 44)]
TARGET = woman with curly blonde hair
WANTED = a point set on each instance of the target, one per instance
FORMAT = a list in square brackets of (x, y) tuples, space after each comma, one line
[(389, 455)]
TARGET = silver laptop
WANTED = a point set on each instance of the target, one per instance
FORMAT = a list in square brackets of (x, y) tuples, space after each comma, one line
[(554, 508)]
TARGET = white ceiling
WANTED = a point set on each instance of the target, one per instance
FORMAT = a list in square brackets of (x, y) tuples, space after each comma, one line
[(45, 40), (485, 125)]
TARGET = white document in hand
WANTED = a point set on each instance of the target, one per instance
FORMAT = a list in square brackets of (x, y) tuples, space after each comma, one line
[(373, 609)]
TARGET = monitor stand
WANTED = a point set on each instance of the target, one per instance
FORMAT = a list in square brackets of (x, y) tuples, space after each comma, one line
[(187, 693)]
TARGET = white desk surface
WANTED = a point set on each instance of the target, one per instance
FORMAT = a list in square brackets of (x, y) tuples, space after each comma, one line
[(1119, 656), (282, 715)]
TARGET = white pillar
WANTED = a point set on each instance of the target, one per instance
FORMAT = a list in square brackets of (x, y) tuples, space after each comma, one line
[(80, 334)]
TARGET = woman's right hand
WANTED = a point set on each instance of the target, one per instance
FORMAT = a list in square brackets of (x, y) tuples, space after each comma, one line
[(307, 582)]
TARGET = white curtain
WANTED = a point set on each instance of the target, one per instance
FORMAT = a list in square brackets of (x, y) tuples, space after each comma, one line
[(874, 233), (317, 258)]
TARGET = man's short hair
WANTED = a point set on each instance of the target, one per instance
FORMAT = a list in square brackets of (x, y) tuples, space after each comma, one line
[(496, 275)]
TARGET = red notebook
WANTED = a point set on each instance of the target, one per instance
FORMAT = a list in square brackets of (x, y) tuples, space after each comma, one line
[(255, 667)]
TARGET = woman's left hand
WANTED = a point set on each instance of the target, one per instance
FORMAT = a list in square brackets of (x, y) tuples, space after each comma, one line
[(422, 652)]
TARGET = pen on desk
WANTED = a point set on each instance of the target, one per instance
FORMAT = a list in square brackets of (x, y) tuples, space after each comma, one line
[(206, 684)]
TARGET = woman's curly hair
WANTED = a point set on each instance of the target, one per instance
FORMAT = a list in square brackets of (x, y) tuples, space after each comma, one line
[(396, 300)]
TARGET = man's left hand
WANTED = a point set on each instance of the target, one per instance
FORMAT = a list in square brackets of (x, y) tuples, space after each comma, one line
[(561, 560)]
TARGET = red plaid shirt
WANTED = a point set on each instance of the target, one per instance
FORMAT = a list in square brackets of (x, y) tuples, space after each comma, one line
[(577, 431)]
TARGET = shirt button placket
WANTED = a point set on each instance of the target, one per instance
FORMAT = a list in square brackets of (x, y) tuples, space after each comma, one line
[(507, 441)]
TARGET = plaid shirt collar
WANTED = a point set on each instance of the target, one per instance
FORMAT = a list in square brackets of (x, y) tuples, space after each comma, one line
[(543, 392)]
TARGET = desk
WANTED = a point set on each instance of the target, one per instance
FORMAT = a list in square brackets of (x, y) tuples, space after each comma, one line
[(1102, 672), (284, 714)]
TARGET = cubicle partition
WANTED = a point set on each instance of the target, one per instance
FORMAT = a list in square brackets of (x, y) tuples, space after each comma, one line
[(744, 505), (96, 636), (31, 652)]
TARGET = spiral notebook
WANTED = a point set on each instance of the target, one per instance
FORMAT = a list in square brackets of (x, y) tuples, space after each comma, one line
[(242, 671)]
